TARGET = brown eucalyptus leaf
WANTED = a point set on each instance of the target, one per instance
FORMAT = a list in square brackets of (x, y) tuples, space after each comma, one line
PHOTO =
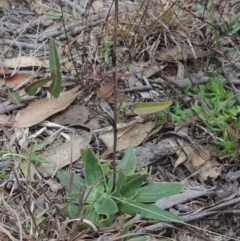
[(107, 89), (40, 110)]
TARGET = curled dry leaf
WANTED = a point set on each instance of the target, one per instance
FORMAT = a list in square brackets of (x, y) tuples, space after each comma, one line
[(107, 89), (40, 110)]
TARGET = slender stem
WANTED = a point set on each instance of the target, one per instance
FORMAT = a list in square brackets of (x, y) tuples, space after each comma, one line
[(115, 94)]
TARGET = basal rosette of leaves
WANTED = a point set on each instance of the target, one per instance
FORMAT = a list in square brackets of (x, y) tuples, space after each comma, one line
[(100, 205)]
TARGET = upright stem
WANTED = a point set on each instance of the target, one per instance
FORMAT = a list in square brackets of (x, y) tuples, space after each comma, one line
[(115, 94)]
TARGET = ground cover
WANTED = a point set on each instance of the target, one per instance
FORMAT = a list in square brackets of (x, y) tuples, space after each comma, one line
[(174, 112)]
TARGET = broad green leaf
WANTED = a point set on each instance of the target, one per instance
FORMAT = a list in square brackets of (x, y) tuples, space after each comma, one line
[(106, 167), (91, 216), (148, 211), (121, 179), (64, 179), (130, 189), (128, 162), (54, 65), (155, 191), (14, 98), (71, 210), (105, 221), (105, 205), (144, 108), (90, 196), (93, 170), (32, 88)]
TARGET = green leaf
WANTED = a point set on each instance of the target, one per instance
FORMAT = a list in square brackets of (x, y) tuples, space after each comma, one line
[(144, 108), (233, 20), (105, 205), (121, 179), (148, 211), (91, 216), (54, 65), (74, 14), (128, 162), (71, 210), (155, 191), (52, 15), (35, 159), (32, 88), (14, 98), (130, 189), (46, 141), (64, 179), (93, 170)]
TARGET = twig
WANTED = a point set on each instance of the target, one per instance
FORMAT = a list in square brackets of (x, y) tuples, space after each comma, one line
[(73, 5), (22, 44), (142, 88)]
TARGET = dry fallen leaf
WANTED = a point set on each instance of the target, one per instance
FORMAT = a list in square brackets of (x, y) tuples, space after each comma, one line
[(4, 4), (4, 71), (206, 168), (180, 54), (129, 135), (4, 119), (40, 110), (64, 154), (25, 61), (2, 82), (17, 79), (107, 89)]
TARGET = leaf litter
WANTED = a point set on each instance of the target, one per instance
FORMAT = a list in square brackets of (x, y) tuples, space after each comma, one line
[(170, 52), (40, 110)]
